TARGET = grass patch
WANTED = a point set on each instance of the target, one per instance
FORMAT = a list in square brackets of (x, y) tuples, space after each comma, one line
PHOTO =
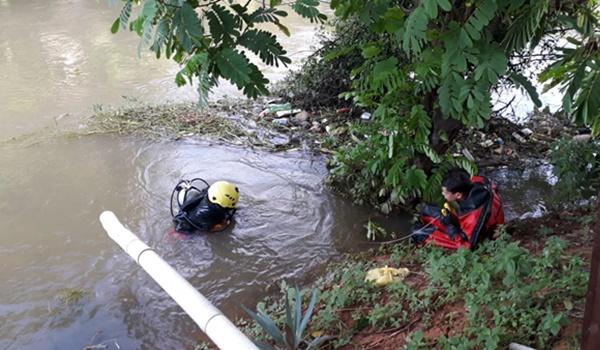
[(485, 299)]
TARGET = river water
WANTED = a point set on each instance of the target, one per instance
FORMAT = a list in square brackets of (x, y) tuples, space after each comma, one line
[(65, 284)]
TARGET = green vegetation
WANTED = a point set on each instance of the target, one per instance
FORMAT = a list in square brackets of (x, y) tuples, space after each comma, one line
[(293, 337), (425, 68), (501, 293), (453, 56), (577, 167), (325, 74), (207, 38)]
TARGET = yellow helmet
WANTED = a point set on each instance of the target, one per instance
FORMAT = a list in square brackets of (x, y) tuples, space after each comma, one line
[(224, 194)]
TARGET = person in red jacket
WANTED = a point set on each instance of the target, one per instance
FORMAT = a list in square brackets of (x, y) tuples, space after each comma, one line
[(472, 212)]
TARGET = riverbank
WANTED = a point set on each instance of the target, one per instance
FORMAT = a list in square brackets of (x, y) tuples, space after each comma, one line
[(272, 123), (241, 122), (528, 286)]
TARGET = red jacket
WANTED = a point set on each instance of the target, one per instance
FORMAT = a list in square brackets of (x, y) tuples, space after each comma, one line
[(478, 216)]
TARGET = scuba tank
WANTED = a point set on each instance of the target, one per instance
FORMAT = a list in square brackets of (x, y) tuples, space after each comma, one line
[(186, 190), (186, 195), (195, 212)]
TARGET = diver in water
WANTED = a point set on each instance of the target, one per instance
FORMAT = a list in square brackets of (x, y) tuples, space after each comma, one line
[(205, 208)]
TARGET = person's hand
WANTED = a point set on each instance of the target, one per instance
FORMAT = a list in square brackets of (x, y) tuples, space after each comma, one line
[(447, 220), (446, 216)]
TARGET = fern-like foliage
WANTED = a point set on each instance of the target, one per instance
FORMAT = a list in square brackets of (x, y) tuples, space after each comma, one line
[(522, 81), (526, 25), (186, 30), (265, 45), (309, 9), (577, 72)]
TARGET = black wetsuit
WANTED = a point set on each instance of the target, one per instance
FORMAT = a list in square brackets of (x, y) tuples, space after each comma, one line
[(198, 214)]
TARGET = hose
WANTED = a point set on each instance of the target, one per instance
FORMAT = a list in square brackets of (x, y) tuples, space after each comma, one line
[(188, 187), (407, 236)]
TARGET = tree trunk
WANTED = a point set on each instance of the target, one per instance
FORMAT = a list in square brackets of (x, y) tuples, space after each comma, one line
[(590, 332), (440, 125)]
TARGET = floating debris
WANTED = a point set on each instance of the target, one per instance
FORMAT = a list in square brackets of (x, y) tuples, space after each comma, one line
[(287, 112), (281, 121), (585, 138), (518, 137), (487, 143)]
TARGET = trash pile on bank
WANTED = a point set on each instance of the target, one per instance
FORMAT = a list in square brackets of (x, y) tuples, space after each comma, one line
[(503, 141)]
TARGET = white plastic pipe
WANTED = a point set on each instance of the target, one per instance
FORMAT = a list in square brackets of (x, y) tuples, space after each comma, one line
[(517, 346), (211, 321)]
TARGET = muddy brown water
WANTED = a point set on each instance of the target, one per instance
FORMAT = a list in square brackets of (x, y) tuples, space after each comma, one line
[(65, 284), (287, 224)]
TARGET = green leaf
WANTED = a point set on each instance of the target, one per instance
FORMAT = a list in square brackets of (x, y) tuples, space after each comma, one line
[(522, 81), (205, 83), (233, 66), (480, 18), (524, 27), (444, 98), (416, 178), (493, 64), (265, 45), (190, 21), (430, 7), (414, 31), (266, 15), (296, 316), (338, 53), (147, 34), (149, 9), (430, 153), (162, 36), (393, 19), (179, 79), (370, 50), (445, 5), (283, 28), (259, 83), (267, 324), (386, 74), (223, 25), (587, 104), (289, 318), (309, 9), (307, 314), (115, 26)]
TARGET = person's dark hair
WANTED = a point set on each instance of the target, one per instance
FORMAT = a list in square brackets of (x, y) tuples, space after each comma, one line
[(458, 180)]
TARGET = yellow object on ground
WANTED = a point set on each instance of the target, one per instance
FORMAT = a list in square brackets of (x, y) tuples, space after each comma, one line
[(382, 276)]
